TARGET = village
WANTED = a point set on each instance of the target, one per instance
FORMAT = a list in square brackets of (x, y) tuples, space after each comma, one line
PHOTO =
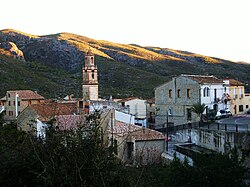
[(201, 113)]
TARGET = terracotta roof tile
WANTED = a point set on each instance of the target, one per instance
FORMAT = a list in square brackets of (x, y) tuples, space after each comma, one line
[(135, 132), (48, 110), (25, 94), (204, 79), (233, 82), (127, 99), (69, 122)]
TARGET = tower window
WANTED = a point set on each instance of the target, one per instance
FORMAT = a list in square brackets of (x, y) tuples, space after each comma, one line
[(93, 75), (92, 60)]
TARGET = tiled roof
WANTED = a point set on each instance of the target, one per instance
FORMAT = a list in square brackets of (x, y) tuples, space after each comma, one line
[(48, 110), (204, 79), (3, 99), (137, 133), (233, 82), (127, 99), (25, 94), (69, 122)]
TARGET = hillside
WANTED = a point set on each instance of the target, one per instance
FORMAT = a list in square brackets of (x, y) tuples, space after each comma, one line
[(124, 70)]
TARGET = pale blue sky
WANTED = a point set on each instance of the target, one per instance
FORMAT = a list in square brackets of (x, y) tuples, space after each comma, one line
[(219, 28)]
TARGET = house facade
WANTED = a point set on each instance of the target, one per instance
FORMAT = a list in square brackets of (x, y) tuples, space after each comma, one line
[(136, 107), (14, 102), (137, 145), (235, 92), (174, 99), (32, 116)]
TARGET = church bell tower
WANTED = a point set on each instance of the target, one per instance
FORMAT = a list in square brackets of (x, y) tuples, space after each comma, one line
[(89, 78)]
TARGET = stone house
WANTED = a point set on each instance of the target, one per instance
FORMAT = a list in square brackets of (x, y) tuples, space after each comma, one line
[(174, 99), (238, 102), (37, 116), (14, 102), (136, 145)]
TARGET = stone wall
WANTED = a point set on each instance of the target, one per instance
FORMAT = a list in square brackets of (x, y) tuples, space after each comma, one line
[(177, 104), (148, 152)]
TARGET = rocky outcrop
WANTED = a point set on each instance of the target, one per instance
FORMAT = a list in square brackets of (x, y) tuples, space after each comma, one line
[(12, 49), (55, 53)]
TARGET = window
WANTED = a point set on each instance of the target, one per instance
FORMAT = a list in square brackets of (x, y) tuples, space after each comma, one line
[(178, 93), (11, 113), (9, 103), (92, 60), (188, 93), (19, 103), (240, 108), (206, 92), (170, 93), (247, 106), (115, 147), (14, 103), (189, 114), (215, 94), (8, 95)]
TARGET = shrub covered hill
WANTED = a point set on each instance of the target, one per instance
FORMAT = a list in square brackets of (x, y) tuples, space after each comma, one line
[(52, 65)]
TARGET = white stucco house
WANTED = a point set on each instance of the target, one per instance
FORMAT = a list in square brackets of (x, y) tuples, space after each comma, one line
[(136, 107)]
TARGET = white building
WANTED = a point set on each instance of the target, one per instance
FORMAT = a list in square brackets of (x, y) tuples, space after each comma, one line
[(138, 108)]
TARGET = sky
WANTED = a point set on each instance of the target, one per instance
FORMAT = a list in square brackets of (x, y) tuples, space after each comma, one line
[(217, 28)]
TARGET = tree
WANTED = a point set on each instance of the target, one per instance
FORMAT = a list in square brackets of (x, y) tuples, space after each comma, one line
[(198, 109), (65, 158)]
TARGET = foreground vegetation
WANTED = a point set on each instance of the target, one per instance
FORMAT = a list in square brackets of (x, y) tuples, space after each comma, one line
[(71, 159)]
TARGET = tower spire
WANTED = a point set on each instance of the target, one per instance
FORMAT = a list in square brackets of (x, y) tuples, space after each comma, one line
[(89, 76)]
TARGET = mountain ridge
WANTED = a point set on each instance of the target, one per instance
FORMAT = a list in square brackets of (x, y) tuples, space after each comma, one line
[(128, 64)]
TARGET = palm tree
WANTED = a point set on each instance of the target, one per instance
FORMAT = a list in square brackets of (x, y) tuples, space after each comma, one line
[(198, 109)]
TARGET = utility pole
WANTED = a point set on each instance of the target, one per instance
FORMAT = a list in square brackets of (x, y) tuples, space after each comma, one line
[(16, 103), (112, 130), (167, 131)]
